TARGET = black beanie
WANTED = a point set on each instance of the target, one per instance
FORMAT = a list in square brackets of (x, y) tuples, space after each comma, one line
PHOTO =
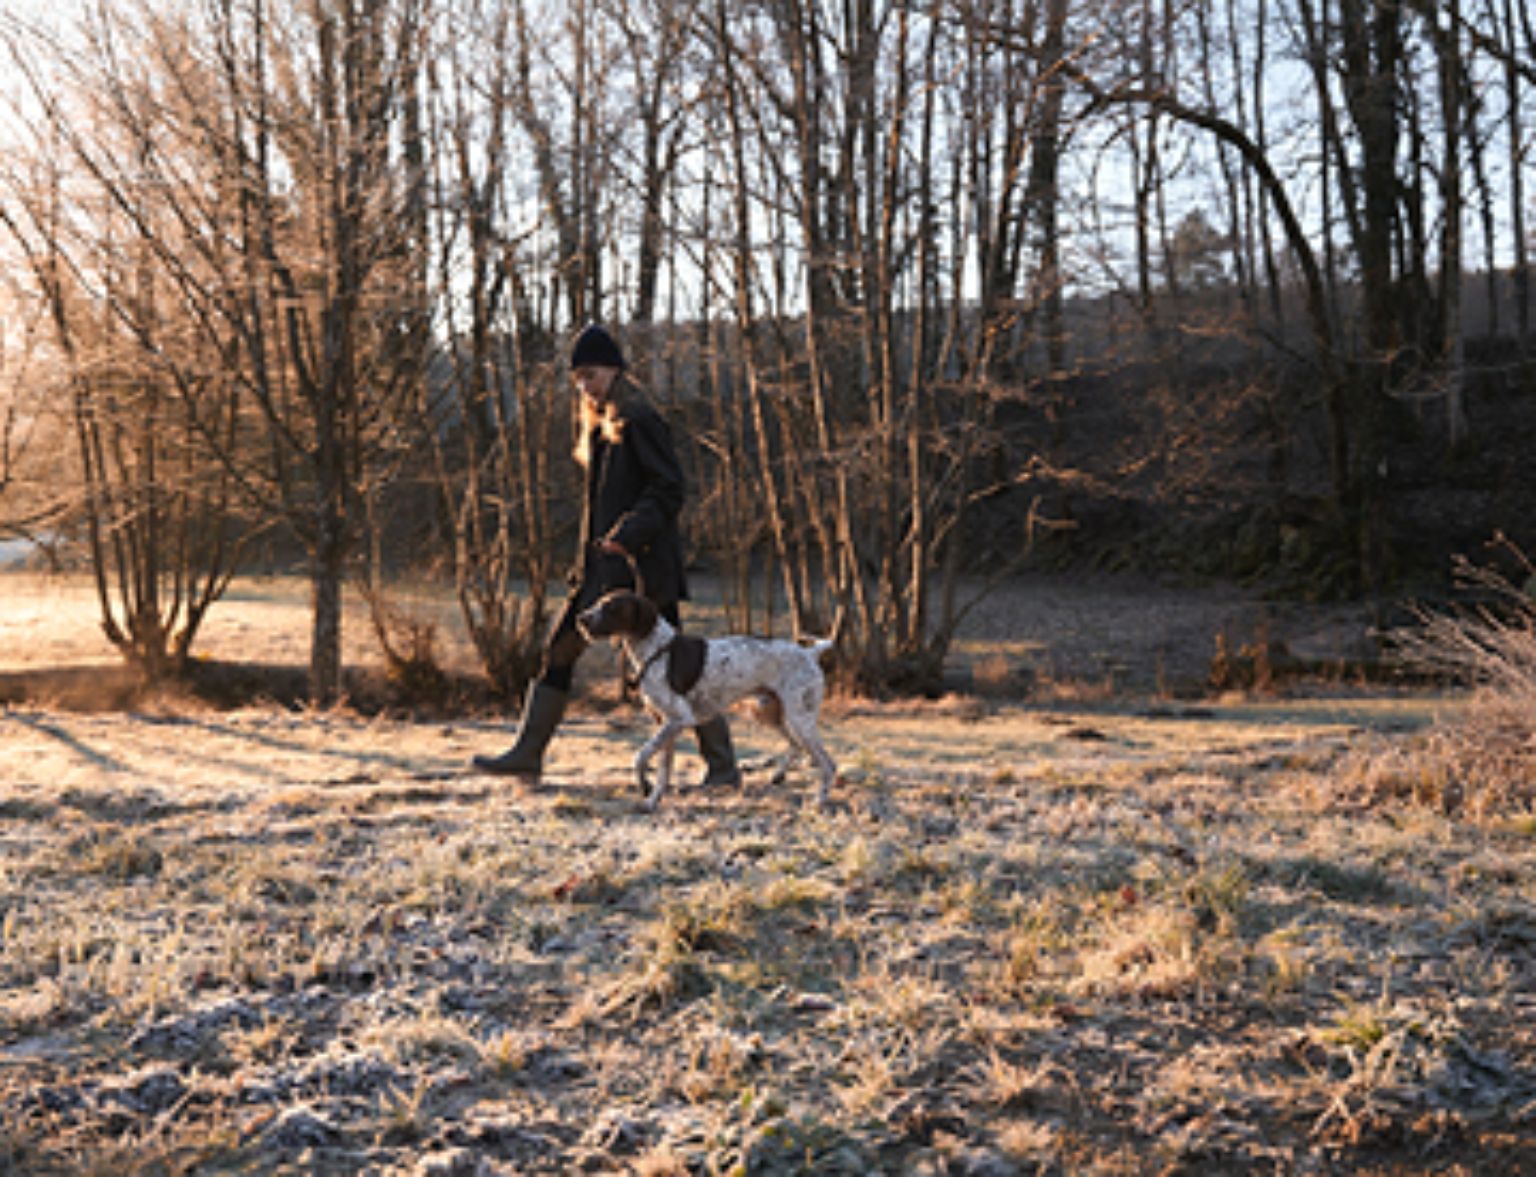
[(596, 348)]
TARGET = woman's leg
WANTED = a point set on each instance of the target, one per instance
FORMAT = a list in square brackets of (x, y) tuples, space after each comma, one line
[(545, 704), (714, 736), (720, 770)]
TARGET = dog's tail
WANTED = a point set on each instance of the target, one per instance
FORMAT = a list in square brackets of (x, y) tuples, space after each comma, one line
[(821, 647)]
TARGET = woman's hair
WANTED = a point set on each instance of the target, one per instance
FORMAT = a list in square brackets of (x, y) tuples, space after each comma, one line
[(591, 416)]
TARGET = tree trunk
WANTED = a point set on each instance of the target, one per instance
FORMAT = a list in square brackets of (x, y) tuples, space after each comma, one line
[(1372, 53), (327, 563), (1514, 135), (1454, 337), (1042, 190)]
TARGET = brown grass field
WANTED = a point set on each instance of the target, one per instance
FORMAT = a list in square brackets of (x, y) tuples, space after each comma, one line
[(1112, 926)]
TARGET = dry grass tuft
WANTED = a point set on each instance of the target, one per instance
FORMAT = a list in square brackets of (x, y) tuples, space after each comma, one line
[(1481, 764)]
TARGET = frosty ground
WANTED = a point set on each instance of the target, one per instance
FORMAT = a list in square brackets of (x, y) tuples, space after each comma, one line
[(1117, 925)]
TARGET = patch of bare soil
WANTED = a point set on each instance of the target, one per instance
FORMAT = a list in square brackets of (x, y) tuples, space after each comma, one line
[(1096, 934), (1123, 634), (1041, 635)]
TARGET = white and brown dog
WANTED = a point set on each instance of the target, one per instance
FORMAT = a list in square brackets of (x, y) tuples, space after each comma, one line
[(687, 681)]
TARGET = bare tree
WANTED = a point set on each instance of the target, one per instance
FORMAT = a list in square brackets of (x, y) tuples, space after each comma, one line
[(844, 235), (156, 508), (557, 91), (281, 234), (489, 413), (871, 453), (657, 35)]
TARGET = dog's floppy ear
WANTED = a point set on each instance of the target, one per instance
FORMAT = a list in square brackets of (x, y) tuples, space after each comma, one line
[(643, 612), (685, 663)]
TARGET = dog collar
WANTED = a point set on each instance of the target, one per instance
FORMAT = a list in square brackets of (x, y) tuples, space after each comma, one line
[(644, 667)]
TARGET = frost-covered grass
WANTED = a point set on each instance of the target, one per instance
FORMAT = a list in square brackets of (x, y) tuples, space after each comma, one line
[(1112, 938)]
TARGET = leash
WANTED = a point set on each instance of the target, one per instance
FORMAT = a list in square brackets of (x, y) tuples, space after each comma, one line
[(634, 571), (629, 684)]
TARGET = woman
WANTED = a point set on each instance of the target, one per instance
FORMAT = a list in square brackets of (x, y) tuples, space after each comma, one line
[(634, 490)]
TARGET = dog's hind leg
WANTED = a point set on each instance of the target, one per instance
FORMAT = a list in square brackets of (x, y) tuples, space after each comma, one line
[(828, 770), (793, 755), (802, 733), (768, 710)]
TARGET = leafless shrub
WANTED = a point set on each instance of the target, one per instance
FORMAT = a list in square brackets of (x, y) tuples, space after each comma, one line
[(408, 644), (1480, 761), (1491, 645)]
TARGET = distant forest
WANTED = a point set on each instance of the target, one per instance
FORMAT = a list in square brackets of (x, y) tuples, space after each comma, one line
[(932, 290)]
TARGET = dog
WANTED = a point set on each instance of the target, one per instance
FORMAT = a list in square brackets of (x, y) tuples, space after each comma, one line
[(687, 681)]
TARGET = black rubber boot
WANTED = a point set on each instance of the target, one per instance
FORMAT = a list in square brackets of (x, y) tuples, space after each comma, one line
[(541, 715), (720, 769)]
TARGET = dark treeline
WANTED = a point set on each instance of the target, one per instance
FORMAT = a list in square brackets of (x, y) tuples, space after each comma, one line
[(303, 265)]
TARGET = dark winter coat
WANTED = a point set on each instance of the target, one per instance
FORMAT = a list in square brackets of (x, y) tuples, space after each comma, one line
[(634, 491)]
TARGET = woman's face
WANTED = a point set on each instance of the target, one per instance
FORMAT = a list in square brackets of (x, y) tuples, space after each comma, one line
[(594, 381)]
